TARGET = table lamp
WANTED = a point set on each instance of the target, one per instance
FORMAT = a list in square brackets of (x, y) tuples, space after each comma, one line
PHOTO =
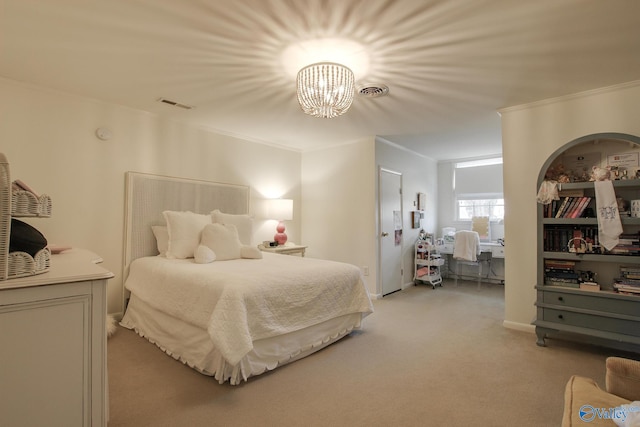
[(281, 210)]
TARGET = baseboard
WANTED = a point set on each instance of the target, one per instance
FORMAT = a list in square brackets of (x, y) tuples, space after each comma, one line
[(407, 285), (117, 316), (524, 327)]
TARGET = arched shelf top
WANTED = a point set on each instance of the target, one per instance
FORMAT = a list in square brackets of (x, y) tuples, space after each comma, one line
[(596, 138)]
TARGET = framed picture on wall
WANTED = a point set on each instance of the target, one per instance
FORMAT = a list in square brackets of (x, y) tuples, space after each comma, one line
[(415, 219), (422, 201)]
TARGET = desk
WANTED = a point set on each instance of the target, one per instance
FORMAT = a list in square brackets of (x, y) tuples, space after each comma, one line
[(488, 250), (495, 249)]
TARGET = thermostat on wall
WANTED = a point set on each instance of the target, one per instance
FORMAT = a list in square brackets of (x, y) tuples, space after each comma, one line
[(103, 134)]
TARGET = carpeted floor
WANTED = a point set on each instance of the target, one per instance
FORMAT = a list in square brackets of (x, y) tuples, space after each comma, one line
[(424, 358)]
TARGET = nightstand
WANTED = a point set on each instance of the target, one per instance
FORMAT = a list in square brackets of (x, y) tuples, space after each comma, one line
[(284, 249)]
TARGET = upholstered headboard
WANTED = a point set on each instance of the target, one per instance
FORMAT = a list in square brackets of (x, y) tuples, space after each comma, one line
[(147, 196)]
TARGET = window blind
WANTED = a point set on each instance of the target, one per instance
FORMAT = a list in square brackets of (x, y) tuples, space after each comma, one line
[(478, 182)]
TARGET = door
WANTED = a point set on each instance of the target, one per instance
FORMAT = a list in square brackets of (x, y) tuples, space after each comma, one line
[(390, 227)]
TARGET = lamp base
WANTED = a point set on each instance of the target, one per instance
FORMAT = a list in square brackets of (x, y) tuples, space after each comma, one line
[(280, 236)]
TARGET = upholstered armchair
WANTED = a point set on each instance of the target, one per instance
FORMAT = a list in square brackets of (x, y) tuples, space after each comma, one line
[(586, 404)]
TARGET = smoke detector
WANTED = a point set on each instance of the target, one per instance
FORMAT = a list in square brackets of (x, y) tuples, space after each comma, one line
[(373, 90)]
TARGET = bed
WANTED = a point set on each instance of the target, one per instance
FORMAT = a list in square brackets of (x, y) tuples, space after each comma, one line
[(242, 313)]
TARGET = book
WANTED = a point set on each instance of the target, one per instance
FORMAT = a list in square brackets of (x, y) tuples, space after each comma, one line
[(550, 209), (581, 207), (559, 263), (568, 283), (570, 207), (584, 206), (562, 207), (626, 289)]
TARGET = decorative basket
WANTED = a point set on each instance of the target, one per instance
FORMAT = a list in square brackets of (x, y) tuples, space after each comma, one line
[(577, 245), (5, 216), (24, 204), (19, 264)]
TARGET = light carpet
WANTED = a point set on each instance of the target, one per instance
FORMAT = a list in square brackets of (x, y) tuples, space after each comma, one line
[(424, 358)]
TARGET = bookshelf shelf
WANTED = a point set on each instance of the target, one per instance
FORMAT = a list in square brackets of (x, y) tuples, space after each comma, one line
[(608, 294), (622, 259), (570, 221), (586, 221), (627, 183)]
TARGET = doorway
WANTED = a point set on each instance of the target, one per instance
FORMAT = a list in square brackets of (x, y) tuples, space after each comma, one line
[(390, 229)]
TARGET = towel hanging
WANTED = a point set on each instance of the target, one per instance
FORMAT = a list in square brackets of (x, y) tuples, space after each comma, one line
[(548, 191), (609, 224)]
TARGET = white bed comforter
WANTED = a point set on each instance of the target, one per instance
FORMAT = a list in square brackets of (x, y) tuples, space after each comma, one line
[(239, 301)]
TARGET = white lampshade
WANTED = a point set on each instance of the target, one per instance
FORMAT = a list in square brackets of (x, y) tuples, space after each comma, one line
[(280, 209)]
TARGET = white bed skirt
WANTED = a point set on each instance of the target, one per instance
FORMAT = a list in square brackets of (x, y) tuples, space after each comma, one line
[(193, 346)]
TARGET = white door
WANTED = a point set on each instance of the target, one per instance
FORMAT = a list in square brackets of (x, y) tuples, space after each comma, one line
[(390, 215)]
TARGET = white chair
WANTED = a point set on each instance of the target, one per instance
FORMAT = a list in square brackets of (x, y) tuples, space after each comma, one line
[(466, 248)]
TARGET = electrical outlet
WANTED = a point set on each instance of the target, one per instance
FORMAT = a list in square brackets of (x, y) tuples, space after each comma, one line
[(365, 270)]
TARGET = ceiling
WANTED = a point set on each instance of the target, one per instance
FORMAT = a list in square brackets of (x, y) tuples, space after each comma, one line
[(449, 64)]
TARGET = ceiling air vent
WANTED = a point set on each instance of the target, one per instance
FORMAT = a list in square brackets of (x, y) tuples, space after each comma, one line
[(373, 91), (175, 104)]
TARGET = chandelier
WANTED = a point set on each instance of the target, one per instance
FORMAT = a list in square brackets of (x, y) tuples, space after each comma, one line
[(325, 89)]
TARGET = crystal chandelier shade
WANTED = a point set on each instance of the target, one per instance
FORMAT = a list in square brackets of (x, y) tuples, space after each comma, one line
[(325, 89)]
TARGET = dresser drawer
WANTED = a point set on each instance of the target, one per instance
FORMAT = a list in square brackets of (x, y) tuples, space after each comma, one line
[(595, 302), (497, 252), (591, 321)]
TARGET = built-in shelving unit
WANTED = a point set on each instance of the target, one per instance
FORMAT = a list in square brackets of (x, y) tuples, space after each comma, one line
[(564, 306)]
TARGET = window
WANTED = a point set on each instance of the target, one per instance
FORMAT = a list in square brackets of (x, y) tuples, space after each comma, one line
[(478, 189), (468, 208)]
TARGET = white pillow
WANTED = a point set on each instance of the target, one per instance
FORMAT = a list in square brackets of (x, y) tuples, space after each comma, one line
[(184, 232), (223, 240), (250, 252), (162, 238), (204, 255), (243, 223)]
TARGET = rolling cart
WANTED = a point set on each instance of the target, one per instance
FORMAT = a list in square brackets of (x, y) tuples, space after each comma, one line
[(427, 264)]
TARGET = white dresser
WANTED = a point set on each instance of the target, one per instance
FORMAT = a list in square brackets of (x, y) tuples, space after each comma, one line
[(53, 354)]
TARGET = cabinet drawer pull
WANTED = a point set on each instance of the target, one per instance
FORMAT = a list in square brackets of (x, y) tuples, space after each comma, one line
[(560, 316), (560, 299)]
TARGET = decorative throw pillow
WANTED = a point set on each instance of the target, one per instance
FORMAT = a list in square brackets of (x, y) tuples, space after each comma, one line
[(25, 238), (184, 230), (162, 238), (250, 252), (243, 223), (204, 255), (223, 240)]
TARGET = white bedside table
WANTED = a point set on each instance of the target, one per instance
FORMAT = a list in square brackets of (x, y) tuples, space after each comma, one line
[(284, 249)]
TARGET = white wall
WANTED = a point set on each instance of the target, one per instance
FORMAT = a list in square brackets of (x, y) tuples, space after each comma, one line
[(530, 134), (338, 203), (48, 138), (419, 175)]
